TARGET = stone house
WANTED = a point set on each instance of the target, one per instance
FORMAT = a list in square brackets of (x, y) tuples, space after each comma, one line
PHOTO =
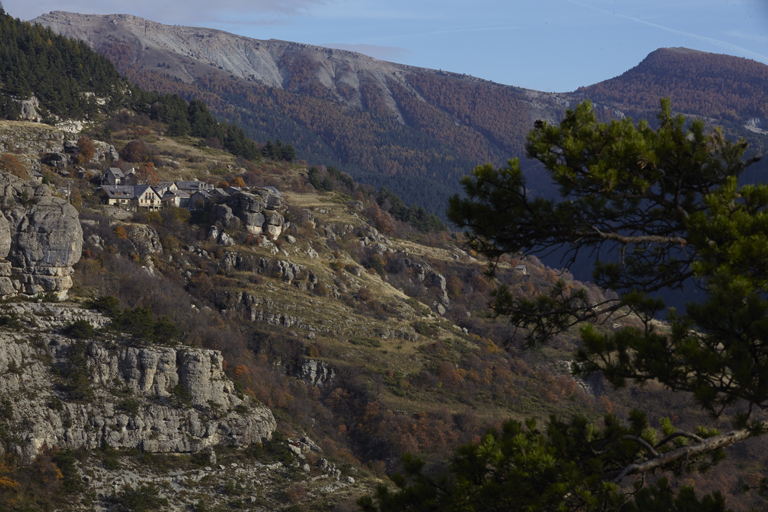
[(113, 176), (193, 186), (199, 199), (165, 186), (177, 198), (147, 197), (131, 197), (117, 195)]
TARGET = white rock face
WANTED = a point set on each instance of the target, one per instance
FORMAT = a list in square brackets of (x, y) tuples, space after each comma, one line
[(58, 392), (40, 239), (29, 110), (192, 52)]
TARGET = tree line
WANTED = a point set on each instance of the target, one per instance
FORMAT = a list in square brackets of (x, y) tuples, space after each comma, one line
[(58, 70), (70, 80)]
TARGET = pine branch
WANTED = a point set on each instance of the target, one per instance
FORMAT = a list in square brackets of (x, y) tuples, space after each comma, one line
[(685, 452)]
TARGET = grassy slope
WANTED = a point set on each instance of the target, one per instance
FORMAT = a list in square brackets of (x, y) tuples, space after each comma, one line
[(390, 394)]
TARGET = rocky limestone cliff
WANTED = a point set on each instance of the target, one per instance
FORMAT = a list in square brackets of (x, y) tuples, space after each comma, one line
[(33, 143), (56, 391), (40, 239)]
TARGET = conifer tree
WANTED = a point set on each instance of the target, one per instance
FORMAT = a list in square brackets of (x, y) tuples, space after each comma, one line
[(668, 200)]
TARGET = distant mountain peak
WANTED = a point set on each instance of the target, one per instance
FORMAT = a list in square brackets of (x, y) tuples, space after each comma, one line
[(679, 49), (707, 84), (386, 123)]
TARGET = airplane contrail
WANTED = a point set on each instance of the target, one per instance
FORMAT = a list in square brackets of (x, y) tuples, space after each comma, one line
[(716, 42)]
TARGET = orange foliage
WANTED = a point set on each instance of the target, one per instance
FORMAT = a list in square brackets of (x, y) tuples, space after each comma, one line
[(240, 370), (86, 148), (10, 164), (146, 174), (7, 472)]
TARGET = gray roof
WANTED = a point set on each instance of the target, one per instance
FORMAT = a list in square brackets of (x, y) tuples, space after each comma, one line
[(119, 191), (176, 193), (192, 185), (140, 189)]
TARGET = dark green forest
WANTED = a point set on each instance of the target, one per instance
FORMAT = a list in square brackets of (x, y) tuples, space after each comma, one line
[(58, 70)]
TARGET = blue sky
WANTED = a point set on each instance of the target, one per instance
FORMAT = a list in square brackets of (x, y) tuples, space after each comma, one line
[(547, 45)]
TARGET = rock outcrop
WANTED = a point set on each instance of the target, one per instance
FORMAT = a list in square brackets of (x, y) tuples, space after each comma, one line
[(257, 212), (40, 239), (60, 392), (145, 239), (36, 143), (29, 110), (315, 373)]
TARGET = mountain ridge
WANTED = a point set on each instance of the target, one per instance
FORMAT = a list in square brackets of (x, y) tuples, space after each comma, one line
[(250, 63), (414, 130), (725, 87)]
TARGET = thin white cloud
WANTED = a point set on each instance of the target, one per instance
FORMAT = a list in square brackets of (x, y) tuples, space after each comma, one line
[(453, 30), (758, 38), (716, 42)]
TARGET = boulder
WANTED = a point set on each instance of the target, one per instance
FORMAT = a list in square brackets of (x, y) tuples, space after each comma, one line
[(40, 239), (271, 200), (316, 373), (439, 282), (256, 212), (274, 223), (253, 222), (145, 239), (29, 110), (223, 214), (246, 202)]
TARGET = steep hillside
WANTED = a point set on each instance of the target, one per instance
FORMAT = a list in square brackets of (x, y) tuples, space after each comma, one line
[(365, 338), (718, 86), (414, 130), (298, 290)]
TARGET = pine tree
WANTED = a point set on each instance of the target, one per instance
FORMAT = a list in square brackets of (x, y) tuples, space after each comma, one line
[(669, 201)]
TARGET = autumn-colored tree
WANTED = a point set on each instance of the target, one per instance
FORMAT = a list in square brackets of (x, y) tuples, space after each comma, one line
[(86, 148), (8, 481), (154, 218), (147, 175), (455, 286), (10, 164), (384, 223), (135, 151), (364, 294), (121, 233), (238, 182), (222, 184), (76, 199)]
